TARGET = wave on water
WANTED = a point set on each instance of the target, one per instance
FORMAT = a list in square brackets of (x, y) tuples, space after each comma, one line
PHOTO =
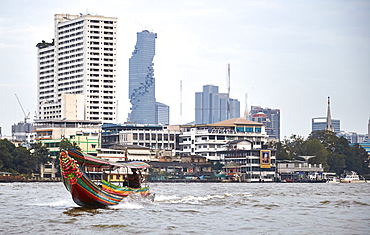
[(133, 202), (189, 199), (59, 203)]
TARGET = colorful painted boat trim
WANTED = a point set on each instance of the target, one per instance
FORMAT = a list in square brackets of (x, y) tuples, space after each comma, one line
[(124, 191)]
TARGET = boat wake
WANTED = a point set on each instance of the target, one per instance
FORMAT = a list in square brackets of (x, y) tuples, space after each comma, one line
[(60, 203), (190, 199), (133, 202)]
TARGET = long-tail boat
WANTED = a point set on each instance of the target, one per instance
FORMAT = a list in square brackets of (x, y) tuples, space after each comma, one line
[(87, 193)]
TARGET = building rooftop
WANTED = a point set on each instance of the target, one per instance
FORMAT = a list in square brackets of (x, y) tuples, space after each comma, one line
[(235, 121), (260, 114)]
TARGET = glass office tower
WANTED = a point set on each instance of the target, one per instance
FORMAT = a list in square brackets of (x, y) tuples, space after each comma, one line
[(211, 106), (142, 81)]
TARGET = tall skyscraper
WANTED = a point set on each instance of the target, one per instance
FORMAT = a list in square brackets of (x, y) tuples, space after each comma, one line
[(269, 117), (142, 81), (211, 106), (77, 70)]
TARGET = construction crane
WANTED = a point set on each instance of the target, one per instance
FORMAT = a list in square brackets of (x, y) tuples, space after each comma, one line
[(26, 117)]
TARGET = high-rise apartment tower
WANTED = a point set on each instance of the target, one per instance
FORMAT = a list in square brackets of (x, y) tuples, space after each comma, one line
[(77, 70)]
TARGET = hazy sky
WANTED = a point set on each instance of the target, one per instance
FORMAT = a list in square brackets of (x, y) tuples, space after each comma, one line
[(289, 55)]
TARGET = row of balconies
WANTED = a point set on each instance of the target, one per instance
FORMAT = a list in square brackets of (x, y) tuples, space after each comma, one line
[(70, 30), (71, 25), (234, 134), (47, 87), (70, 88), (47, 66), (51, 61), (69, 36), (101, 48), (69, 77), (104, 82), (98, 107), (69, 83), (104, 113), (60, 68), (70, 46), (70, 56), (70, 62), (46, 97), (70, 51), (46, 51), (98, 26), (69, 41), (46, 77), (71, 72), (101, 32), (205, 142), (47, 72), (50, 81)]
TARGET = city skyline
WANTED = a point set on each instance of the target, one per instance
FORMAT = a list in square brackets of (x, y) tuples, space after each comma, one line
[(285, 55)]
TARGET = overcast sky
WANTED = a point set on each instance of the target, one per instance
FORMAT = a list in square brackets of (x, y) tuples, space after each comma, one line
[(287, 55)]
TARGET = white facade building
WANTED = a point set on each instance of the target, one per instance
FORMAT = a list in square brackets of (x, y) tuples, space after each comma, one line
[(156, 137), (244, 162), (81, 60), (208, 140)]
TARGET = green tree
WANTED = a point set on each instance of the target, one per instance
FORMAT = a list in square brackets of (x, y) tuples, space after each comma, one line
[(289, 149), (357, 160), (342, 156), (6, 157), (336, 162), (333, 152), (23, 161), (313, 147), (40, 154), (66, 144)]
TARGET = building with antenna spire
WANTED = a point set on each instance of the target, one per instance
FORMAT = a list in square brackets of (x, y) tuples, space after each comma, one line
[(326, 123)]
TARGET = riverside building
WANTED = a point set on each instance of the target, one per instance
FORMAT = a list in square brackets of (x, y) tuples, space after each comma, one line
[(51, 132), (81, 60), (153, 136), (208, 140), (246, 162)]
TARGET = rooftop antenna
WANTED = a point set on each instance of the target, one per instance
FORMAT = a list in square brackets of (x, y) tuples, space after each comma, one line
[(228, 91), (24, 113), (180, 101), (246, 110)]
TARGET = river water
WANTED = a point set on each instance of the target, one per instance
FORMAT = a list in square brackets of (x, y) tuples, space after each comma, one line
[(192, 208)]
